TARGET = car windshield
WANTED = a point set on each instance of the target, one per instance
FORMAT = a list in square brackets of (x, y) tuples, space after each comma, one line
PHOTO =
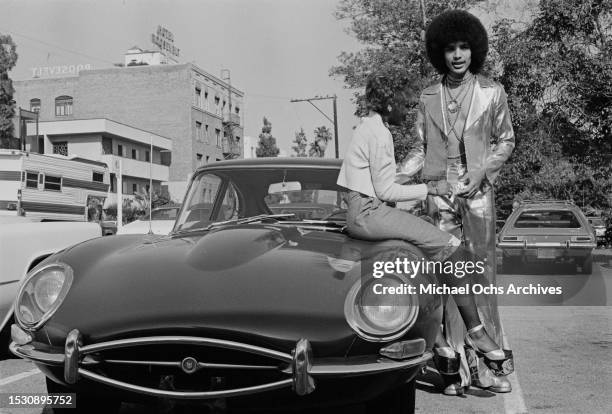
[(290, 194), (547, 219), (164, 214)]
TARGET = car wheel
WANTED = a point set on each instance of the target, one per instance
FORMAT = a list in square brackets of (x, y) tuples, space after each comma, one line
[(85, 403), (587, 265), (399, 400)]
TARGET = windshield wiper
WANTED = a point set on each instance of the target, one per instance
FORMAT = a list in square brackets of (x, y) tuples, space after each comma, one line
[(247, 220)]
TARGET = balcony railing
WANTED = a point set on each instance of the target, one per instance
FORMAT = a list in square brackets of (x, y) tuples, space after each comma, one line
[(231, 147), (136, 168), (231, 119)]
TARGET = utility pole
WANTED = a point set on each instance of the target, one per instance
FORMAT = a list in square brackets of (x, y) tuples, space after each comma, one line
[(424, 20), (333, 121)]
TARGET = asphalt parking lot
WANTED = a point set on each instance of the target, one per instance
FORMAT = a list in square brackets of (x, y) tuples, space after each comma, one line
[(561, 347)]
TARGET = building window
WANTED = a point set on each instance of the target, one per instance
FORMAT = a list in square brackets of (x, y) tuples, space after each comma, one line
[(207, 159), (35, 105), (237, 110), (53, 183), (147, 156), (120, 150), (217, 100), (63, 105), (107, 145), (60, 148), (134, 154), (199, 136), (206, 101), (206, 136), (218, 136), (98, 177), (199, 158), (198, 96), (134, 188), (31, 179)]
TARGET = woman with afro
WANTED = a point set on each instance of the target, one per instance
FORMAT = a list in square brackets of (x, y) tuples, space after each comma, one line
[(464, 135)]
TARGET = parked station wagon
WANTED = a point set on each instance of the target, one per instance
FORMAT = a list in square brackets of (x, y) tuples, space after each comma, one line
[(257, 298), (547, 232)]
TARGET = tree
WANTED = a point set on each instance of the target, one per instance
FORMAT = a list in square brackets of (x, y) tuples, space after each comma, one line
[(267, 143), (557, 74), (301, 142), (392, 31), (8, 59), (322, 137)]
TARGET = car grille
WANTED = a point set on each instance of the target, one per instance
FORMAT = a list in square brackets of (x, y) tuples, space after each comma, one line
[(185, 367)]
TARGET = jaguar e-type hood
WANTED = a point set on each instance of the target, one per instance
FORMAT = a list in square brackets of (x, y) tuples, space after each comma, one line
[(257, 280)]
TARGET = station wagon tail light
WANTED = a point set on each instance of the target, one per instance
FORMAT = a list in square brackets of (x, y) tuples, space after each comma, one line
[(378, 315), (510, 238), (582, 239), (41, 294)]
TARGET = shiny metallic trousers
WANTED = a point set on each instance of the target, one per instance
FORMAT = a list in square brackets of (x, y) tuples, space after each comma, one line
[(474, 221)]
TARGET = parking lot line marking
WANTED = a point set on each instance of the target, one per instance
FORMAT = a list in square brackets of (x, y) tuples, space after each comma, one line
[(514, 403), (18, 377)]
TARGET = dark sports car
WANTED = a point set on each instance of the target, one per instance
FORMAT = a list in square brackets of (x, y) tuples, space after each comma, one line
[(257, 299)]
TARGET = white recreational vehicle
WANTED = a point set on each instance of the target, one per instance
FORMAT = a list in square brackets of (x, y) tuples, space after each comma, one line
[(51, 187)]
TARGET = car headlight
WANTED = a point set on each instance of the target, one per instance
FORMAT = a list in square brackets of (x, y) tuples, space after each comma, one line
[(41, 294), (381, 309)]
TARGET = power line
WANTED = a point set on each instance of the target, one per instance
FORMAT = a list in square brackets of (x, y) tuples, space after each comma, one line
[(334, 121), (55, 46)]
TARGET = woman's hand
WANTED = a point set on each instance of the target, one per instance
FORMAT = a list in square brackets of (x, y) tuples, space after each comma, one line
[(440, 188), (472, 181)]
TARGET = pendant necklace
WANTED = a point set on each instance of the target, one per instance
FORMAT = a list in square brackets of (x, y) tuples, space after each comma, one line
[(457, 107), (454, 104)]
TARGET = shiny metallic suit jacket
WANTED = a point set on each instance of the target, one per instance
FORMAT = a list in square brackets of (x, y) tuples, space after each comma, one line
[(488, 134)]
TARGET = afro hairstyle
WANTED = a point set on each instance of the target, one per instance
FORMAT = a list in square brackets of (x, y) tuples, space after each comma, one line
[(456, 26)]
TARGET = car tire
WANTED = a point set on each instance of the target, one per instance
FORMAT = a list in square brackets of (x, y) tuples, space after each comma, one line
[(399, 400), (85, 403), (587, 265)]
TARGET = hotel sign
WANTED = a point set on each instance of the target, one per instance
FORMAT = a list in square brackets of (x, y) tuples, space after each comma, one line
[(164, 39), (45, 71)]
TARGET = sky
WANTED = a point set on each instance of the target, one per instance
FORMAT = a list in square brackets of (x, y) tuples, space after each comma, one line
[(276, 50)]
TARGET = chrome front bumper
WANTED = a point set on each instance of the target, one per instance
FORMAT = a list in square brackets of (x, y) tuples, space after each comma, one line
[(300, 367)]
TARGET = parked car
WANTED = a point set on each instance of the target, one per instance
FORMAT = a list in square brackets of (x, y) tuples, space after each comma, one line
[(547, 231), (599, 227), (264, 310), (25, 242), (162, 221)]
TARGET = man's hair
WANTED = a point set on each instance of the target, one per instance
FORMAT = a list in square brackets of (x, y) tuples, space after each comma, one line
[(456, 26), (381, 91)]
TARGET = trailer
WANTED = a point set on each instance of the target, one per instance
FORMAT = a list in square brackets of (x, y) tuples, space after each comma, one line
[(52, 187)]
